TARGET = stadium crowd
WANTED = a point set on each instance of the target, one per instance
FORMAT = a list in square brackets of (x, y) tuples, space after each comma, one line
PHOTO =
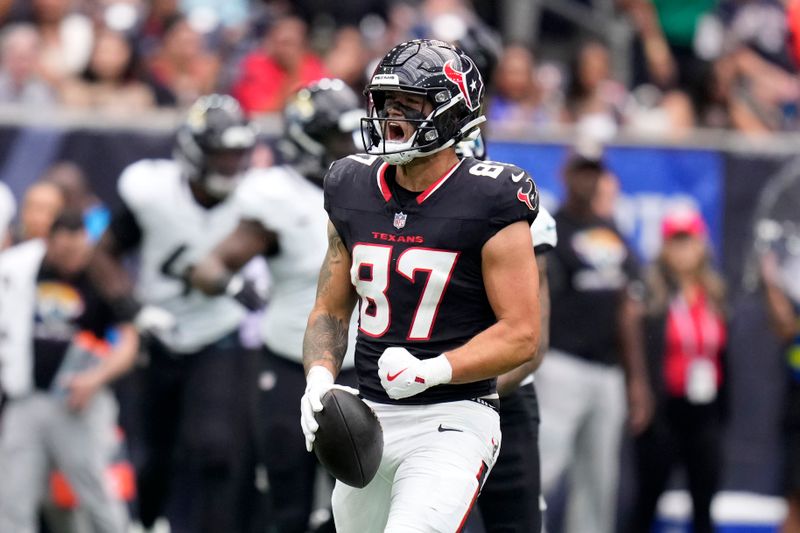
[(725, 64), (705, 63)]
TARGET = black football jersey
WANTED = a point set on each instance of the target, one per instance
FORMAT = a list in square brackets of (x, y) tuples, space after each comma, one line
[(416, 259)]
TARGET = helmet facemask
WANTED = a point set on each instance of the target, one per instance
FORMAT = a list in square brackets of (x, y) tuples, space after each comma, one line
[(223, 171), (387, 134), (218, 162)]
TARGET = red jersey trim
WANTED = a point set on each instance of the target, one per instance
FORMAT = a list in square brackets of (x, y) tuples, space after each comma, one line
[(438, 183), (382, 185)]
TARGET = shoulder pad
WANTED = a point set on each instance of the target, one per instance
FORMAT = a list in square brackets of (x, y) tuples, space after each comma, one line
[(147, 180), (353, 168), (269, 196), (506, 179)]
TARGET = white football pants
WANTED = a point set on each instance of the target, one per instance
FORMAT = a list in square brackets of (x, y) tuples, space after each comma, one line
[(435, 460)]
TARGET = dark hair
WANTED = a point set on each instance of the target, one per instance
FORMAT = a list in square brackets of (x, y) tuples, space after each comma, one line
[(69, 220), (662, 284), (129, 73)]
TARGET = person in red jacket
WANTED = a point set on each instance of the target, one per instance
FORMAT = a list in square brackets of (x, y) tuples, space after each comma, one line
[(278, 68)]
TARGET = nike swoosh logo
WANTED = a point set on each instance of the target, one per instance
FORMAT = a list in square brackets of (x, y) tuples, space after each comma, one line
[(391, 377), (442, 429), (517, 177)]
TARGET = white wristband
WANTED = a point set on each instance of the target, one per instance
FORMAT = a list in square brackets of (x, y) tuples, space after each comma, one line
[(319, 374), (438, 371)]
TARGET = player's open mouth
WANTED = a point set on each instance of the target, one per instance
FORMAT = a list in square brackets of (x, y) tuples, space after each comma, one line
[(394, 132)]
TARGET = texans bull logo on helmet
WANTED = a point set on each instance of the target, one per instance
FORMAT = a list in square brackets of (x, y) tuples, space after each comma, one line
[(469, 82)]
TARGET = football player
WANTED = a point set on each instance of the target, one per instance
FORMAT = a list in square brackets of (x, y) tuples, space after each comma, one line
[(174, 212), (437, 252), (282, 217)]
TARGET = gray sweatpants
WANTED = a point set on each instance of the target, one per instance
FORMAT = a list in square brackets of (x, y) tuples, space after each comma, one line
[(38, 432), (582, 405)]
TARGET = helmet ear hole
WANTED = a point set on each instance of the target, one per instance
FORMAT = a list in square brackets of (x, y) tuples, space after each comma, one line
[(319, 120)]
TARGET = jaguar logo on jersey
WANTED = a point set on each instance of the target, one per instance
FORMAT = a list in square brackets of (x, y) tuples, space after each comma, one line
[(468, 82), (400, 220), (528, 195)]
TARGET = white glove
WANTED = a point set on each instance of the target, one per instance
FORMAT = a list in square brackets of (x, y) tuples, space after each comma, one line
[(403, 375), (318, 381), (155, 321)]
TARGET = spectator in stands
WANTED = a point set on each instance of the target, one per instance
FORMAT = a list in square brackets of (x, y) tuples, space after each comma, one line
[(20, 82), (518, 99), (183, 64), (109, 83), (694, 39), (662, 113), (231, 16), (594, 102), (783, 304), (348, 57), (686, 340), (40, 206), (283, 63), (156, 22), (67, 38), (659, 65), (594, 327), (55, 371), (79, 196), (757, 96)]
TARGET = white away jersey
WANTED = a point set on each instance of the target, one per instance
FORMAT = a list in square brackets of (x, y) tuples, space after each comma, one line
[(287, 204), (543, 231), (8, 208), (175, 227)]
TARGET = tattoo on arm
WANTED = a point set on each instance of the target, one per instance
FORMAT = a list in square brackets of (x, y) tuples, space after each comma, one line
[(337, 253), (327, 332), (325, 340), (336, 245)]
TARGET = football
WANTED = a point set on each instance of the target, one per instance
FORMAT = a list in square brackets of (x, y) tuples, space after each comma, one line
[(349, 441)]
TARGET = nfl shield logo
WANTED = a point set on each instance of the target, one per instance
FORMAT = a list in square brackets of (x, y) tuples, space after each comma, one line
[(400, 220)]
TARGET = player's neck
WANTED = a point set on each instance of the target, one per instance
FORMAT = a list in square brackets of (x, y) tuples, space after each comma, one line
[(420, 173), (202, 197)]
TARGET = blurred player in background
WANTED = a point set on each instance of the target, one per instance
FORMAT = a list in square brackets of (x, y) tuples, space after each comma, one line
[(511, 498), (438, 251), (282, 217), (174, 211)]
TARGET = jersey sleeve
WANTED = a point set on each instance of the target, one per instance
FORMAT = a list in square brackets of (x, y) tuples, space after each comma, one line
[(515, 198), (8, 208), (332, 190), (137, 184), (543, 232), (270, 198), (332, 183), (252, 197), (134, 189)]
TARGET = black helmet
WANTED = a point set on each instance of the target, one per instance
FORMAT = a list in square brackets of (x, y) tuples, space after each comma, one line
[(321, 123), (214, 143), (446, 77)]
